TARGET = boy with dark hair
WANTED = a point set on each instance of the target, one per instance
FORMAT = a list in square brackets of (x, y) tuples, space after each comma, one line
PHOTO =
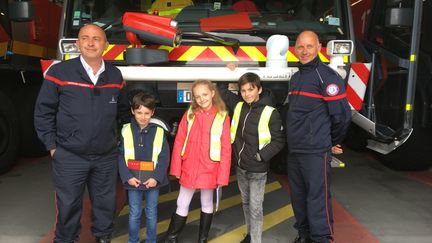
[(143, 149), (256, 136)]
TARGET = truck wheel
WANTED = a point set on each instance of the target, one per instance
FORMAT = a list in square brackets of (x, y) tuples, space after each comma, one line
[(9, 134)]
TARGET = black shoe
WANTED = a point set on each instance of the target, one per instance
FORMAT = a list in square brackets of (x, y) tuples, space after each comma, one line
[(175, 227), (204, 228), (300, 239), (103, 239), (247, 239)]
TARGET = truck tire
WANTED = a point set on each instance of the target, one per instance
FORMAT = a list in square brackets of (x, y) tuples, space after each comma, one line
[(9, 134)]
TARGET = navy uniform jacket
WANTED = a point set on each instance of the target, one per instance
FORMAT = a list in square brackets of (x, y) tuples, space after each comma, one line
[(318, 113), (143, 142), (77, 115)]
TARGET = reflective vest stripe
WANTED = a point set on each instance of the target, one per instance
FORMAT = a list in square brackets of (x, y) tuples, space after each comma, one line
[(264, 135), (215, 134), (129, 148), (235, 120)]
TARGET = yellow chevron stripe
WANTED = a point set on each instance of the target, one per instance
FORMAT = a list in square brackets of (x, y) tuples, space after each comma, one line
[(323, 58), (291, 57), (223, 53), (168, 196), (270, 220), (194, 215), (192, 53), (108, 49), (254, 53), (168, 48)]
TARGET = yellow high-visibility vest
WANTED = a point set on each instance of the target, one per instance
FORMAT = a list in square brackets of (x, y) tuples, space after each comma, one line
[(129, 148), (264, 135), (215, 134)]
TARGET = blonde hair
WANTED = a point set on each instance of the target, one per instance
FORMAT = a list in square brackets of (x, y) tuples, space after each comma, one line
[(216, 101)]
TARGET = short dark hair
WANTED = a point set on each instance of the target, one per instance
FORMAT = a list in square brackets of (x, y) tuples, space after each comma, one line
[(143, 99), (250, 78)]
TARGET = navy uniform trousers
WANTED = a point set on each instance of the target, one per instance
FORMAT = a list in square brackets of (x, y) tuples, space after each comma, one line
[(309, 180), (71, 173)]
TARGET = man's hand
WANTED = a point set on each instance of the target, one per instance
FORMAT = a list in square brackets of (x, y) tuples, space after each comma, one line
[(337, 149), (150, 183), (134, 182), (231, 66), (52, 152)]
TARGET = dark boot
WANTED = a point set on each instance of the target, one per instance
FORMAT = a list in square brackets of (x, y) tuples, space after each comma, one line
[(205, 223), (103, 239), (247, 239), (175, 227), (300, 239)]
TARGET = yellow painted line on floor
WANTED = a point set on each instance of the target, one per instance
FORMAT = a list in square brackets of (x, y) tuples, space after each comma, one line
[(270, 220), (166, 197), (195, 214)]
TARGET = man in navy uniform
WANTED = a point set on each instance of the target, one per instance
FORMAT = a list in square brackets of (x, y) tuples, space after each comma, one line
[(76, 119), (317, 119)]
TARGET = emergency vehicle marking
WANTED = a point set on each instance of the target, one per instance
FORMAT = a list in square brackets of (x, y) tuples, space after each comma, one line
[(224, 54), (211, 53), (114, 52), (46, 64), (357, 84), (192, 53)]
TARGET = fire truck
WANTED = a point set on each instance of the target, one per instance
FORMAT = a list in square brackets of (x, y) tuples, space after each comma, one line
[(162, 46), (24, 40)]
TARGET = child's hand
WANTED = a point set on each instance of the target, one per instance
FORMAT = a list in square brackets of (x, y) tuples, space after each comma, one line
[(134, 182), (150, 183), (231, 66)]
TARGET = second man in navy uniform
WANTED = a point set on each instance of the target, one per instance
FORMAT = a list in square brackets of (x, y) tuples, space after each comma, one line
[(317, 119)]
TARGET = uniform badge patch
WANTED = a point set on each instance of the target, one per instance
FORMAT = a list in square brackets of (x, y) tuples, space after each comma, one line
[(332, 90)]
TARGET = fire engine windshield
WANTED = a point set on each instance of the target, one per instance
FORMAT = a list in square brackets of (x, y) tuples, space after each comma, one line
[(249, 21)]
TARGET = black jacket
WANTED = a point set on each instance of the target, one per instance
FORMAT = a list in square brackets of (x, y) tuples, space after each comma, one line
[(318, 114), (246, 147), (77, 115)]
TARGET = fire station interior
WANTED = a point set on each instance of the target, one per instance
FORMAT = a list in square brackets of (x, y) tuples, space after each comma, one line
[(381, 185)]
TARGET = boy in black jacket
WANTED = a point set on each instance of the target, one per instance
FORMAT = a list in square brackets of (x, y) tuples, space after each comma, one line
[(256, 135)]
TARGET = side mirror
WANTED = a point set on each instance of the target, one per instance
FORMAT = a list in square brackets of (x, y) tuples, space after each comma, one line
[(21, 11)]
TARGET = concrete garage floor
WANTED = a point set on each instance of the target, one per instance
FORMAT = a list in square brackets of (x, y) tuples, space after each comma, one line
[(371, 204)]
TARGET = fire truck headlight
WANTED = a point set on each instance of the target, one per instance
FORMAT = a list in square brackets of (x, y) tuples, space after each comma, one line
[(67, 46), (340, 47)]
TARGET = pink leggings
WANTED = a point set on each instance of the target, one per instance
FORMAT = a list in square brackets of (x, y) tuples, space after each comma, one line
[(185, 197)]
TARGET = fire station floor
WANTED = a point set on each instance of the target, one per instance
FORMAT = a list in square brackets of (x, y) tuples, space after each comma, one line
[(371, 203)]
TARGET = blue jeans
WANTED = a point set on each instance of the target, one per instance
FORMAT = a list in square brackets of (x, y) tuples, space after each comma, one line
[(135, 211), (252, 189)]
